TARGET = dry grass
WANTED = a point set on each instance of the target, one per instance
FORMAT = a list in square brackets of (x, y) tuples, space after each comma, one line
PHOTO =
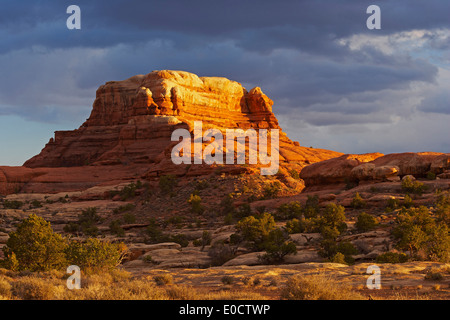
[(115, 285), (317, 287)]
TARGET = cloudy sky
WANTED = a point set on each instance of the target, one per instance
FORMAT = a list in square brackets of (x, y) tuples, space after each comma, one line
[(335, 84)]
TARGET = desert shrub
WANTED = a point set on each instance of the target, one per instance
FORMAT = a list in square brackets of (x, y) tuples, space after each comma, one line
[(167, 183), (392, 204), (244, 210), (329, 248), (86, 223), (227, 205), (205, 240), (12, 204), (5, 288), (220, 253), (129, 218), (311, 209), (95, 255), (276, 246), (196, 204), (365, 222), (295, 226), (163, 279), (434, 276), (256, 230), (338, 258), (412, 186), (31, 288), (128, 192), (392, 257), (408, 201), (201, 185), (292, 210), (334, 216), (425, 237), (431, 175), (34, 246), (317, 287), (116, 228), (227, 279), (35, 204), (154, 232), (124, 208), (271, 190), (181, 239), (442, 206), (358, 202)]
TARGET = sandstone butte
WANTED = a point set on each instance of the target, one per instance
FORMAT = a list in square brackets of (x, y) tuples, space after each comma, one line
[(128, 134)]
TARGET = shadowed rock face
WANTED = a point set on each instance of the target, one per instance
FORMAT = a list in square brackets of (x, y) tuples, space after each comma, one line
[(132, 120)]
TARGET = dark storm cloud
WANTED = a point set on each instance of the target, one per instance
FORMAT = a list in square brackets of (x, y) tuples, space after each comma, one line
[(293, 50)]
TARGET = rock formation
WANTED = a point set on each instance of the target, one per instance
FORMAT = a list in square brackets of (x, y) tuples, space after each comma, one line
[(130, 127), (375, 167)]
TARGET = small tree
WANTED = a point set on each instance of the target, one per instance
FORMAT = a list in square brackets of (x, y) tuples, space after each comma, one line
[(412, 186), (358, 202), (95, 255), (277, 246), (167, 183), (292, 210), (34, 246), (196, 204), (256, 230), (334, 216), (365, 222)]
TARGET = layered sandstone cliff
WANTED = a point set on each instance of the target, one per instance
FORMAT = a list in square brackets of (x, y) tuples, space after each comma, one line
[(132, 121), (128, 133)]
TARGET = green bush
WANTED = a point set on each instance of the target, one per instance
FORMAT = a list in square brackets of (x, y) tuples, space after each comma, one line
[(154, 232), (167, 183), (35, 204), (431, 175), (292, 210), (295, 226), (34, 246), (271, 190), (205, 240), (358, 202), (392, 257), (196, 204), (256, 230), (181, 239), (311, 209), (95, 255), (12, 204), (392, 204), (365, 222), (86, 224), (277, 246), (412, 186), (408, 201), (116, 228), (422, 235), (329, 249), (442, 206)]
